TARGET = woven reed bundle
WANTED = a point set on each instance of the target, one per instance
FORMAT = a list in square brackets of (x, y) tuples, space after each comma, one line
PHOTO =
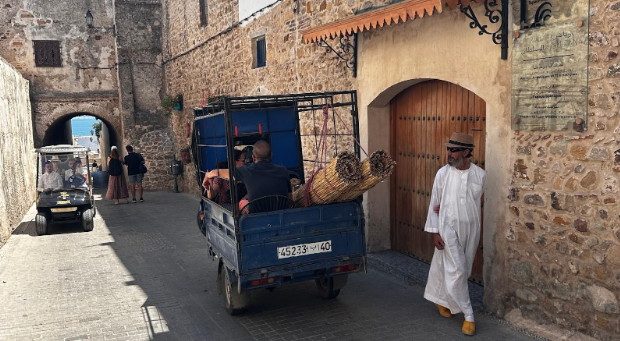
[(378, 166), (342, 174)]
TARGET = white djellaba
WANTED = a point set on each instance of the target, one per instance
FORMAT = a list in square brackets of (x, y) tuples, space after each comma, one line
[(458, 193)]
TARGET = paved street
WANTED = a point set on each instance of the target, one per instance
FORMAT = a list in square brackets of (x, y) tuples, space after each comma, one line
[(144, 274)]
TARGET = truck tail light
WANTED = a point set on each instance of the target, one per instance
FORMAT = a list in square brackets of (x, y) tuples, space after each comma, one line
[(344, 268), (263, 281)]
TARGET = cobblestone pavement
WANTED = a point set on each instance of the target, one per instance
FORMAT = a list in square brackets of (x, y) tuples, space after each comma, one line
[(144, 274)]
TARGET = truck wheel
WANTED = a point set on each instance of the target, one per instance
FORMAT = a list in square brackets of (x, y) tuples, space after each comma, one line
[(326, 287), (87, 220), (235, 302), (199, 222), (41, 224)]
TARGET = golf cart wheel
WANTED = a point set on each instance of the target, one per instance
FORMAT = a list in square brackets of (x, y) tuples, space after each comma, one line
[(87, 220), (41, 224), (235, 302), (326, 287)]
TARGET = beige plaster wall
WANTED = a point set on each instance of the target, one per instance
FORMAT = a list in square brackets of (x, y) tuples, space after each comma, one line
[(17, 162), (394, 58)]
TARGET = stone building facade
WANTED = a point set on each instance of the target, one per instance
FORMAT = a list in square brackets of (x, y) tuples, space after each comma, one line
[(551, 236), (561, 235), (17, 174), (551, 240), (110, 69)]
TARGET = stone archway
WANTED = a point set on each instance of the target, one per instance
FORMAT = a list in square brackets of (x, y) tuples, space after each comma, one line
[(52, 115)]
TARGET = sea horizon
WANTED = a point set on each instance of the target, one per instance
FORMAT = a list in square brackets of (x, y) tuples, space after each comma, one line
[(82, 125)]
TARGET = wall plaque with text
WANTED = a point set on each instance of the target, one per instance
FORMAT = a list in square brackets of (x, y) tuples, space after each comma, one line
[(550, 73)]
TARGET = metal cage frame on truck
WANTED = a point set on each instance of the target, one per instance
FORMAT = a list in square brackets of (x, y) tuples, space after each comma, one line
[(299, 102)]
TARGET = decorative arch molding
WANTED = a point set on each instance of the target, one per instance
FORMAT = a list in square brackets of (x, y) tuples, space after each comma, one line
[(48, 113), (384, 97)]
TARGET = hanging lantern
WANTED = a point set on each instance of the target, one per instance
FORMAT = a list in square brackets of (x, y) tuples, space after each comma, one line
[(89, 19)]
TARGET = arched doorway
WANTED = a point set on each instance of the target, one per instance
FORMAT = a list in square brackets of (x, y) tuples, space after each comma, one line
[(422, 118)]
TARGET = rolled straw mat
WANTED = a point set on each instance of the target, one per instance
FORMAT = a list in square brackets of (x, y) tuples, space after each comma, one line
[(378, 166), (325, 186)]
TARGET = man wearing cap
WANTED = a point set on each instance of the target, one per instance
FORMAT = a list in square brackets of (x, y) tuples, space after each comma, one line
[(454, 220), (49, 180)]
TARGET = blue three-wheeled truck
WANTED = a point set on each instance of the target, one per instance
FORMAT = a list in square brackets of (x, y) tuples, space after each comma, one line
[(276, 244)]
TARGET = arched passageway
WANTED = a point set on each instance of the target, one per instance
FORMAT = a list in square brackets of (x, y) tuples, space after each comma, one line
[(59, 132)]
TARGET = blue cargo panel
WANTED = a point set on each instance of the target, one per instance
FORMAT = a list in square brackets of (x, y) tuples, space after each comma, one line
[(282, 119), (248, 121), (284, 148)]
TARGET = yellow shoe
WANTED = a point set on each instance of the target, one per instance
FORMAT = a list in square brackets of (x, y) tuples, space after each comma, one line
[(443, 311), (469, 328)]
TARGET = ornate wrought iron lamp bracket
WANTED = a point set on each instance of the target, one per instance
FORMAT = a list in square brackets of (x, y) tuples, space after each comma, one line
[(543, 12), (345, 50), (495, 15)]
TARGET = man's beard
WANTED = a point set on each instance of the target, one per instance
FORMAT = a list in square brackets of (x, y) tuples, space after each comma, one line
[(456, 162)]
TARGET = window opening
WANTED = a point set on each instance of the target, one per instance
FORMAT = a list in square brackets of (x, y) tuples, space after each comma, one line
[(47, 53), (260, 52)]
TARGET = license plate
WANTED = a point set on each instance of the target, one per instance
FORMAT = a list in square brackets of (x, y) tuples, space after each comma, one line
[(304, 249)]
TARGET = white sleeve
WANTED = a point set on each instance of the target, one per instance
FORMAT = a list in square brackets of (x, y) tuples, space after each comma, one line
[(432, 219)]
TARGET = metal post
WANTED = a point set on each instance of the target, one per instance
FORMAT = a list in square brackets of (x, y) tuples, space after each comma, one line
[(176, 183), (505, 29)]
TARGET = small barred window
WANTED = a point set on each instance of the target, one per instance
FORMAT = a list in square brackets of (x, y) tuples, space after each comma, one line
[(47, 53)]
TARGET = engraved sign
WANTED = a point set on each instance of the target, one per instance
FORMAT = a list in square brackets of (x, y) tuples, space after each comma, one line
[(550, 74)]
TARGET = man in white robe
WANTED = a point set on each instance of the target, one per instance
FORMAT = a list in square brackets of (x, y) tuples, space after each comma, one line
[(454, 220)]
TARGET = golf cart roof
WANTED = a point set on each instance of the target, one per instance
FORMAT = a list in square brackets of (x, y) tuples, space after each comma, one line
[(62, 149)]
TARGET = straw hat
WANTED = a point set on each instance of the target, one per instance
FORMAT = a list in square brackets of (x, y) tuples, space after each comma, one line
[(55, 158), (460, 140)]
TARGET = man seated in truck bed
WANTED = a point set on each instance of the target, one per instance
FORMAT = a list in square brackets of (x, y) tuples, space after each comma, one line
[(262, 179)]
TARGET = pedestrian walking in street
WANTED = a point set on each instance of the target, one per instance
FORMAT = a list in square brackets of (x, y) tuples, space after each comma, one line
[(117, 186), (135, 170), (454, 220)]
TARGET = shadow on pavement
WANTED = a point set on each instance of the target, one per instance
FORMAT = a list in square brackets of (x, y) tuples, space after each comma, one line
[(165, 256), (26, 227)]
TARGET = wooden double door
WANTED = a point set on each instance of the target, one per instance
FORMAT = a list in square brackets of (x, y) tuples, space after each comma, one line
[(423, 117)]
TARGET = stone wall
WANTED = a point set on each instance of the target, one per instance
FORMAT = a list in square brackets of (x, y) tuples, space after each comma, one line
[(217, 58), (17, 174), (111, 70), (139, 51), (562, 241), (86, 81)]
